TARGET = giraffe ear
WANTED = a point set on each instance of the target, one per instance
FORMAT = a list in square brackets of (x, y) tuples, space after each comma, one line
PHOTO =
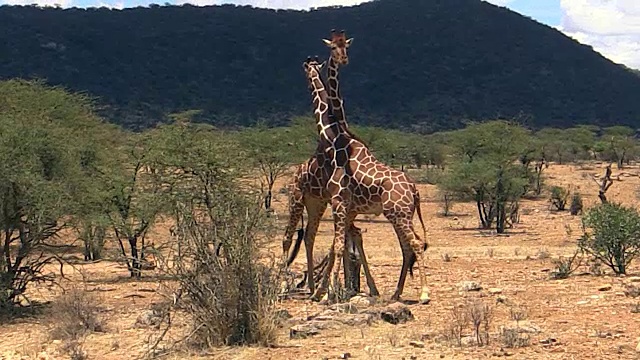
[(326, 42), (349, 41)]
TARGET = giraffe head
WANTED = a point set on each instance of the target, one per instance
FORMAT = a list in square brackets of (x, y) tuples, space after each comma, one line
[(312, 68), (339, 44)]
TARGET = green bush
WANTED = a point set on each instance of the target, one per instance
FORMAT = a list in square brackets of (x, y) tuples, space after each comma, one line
[(614, 238), (559, 197), (576, 204)]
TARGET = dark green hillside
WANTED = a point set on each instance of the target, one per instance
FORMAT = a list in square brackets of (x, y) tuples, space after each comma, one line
[(429, 62)]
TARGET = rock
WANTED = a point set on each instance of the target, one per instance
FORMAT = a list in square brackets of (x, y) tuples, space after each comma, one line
[(347, 308), (347, 319), (396, 313), (634, 279), (148, 318), (606, 287), (470, 286), (303, 331), (362, 300), (345, 356), (523, 327), (357, 319), (417, 344), (282, 315), (549, 342), (638, 348), (495, 291), (468, 340), (582, 302), (632, 291)]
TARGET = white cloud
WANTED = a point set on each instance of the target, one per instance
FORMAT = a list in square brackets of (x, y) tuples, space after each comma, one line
[(118, 5), (500, 2), (277, 4), (43, 3), (611, 27)]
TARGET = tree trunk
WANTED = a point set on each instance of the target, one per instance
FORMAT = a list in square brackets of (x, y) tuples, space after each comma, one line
[(500, 204), (135, 261), (481, 214), (269, 196)]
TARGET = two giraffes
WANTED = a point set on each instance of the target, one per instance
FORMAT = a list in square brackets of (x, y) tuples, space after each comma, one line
[(344, 173)]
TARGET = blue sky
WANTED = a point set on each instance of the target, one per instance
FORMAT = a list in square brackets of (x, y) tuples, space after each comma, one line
[(611, 27), (545, 11)]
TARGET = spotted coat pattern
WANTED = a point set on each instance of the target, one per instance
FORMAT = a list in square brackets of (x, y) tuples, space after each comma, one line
[(357, 183)]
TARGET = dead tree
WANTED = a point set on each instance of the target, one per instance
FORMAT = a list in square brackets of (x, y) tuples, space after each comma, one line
[(605, 184)]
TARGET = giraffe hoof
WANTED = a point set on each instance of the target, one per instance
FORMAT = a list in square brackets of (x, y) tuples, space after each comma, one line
[(424, 300), (325, 300), (315, 296)]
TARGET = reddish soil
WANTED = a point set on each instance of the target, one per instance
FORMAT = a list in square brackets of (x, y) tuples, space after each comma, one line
[(585, 322)]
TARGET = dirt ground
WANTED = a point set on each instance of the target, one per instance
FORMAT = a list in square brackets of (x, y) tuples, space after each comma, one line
[(586, 316)]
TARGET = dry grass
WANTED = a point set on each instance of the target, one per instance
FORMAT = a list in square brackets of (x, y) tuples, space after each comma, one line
[(568, 310), (74, 314)]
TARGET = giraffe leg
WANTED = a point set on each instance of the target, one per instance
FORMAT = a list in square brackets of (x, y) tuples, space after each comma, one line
[(335, 254), (296, 209), (419, 245), (403, 273), (356, 237), (315, 210), (410, 241)]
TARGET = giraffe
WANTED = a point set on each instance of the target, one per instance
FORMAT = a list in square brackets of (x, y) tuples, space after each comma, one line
[(358, 183), (306, 192), (301, 186)]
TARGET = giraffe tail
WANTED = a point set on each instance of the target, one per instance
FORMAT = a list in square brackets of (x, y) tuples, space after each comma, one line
[(412, 258), (297, 244)]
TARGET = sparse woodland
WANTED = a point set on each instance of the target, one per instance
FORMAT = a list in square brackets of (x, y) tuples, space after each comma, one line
[(199, 212)]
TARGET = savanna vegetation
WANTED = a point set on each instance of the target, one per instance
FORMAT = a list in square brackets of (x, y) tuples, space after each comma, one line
[(66, 171)]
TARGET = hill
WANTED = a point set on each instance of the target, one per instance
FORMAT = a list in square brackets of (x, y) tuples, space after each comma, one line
[(429, 63)]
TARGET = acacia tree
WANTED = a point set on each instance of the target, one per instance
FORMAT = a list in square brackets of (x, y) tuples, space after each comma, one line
[(617, 144), (486, 169), (273, 151), (136, 198), (562, 145), (45, 134)]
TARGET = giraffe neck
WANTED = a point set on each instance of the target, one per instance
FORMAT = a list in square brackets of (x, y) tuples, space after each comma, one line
[(328, 128), (335, 98), (336, 102)]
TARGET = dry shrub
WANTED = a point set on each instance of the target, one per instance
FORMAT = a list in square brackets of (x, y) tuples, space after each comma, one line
[(447, 199), (543, 254), (74, 314), (564, 267), (75, 350), (480, 314), (517, 313), (474, 313), (456, 324), (229, 287), (513, 338)]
